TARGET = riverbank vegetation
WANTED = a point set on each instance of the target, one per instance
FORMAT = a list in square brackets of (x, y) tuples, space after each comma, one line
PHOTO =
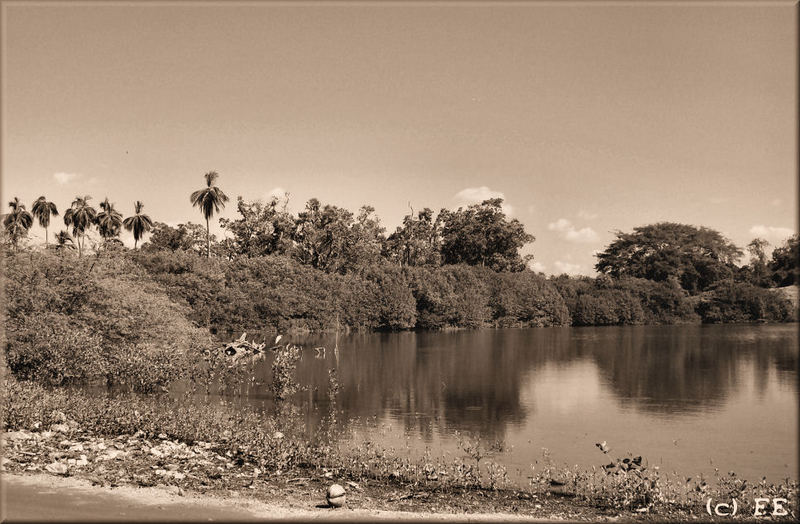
[(328, 268)]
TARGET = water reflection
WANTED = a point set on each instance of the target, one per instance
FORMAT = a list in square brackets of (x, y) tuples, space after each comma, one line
[(473, 380)]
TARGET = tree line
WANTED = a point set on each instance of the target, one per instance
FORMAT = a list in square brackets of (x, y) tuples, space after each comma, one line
[(658, 273)]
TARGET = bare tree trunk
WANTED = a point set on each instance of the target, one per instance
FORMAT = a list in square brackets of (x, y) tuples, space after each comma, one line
[(208, 240), (45, 237)]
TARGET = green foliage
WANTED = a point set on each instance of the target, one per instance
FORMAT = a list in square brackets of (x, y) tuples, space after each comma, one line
[(482, 235), (696, 257)]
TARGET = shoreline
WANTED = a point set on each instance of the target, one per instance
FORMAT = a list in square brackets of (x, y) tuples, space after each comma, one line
[(75, 498)]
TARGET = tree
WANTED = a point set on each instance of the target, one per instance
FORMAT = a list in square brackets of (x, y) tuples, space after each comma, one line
[(138, 223), (696, 257), (42, 210), (321, 234), (184, 237), (109, 221), (482, 235), (64, 241), (785, 262), (757, 271), (18, 222), (417, 242), (263, 229), (80, 216), (210, 200)]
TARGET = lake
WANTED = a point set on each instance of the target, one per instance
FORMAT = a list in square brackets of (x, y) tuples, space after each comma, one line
[(687, 398)]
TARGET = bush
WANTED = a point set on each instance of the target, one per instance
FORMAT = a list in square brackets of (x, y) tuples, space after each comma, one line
[(742, 302), (95, 319)]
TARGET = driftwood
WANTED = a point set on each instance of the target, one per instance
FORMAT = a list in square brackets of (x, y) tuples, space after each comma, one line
[(241, 347)]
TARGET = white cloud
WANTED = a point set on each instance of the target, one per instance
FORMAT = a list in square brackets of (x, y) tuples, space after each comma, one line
[(585, 234), (476, 195), (275, 192), (586, 215), (570, 233), (771, 232), (562, 224), (65, 178), (567, 267), (538, 267)]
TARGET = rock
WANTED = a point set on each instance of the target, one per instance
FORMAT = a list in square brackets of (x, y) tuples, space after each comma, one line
[(83, 461), (335, 496), (60, 428), (177, 475), (277, 435), (59, 416), (59, 468), (18, 435)]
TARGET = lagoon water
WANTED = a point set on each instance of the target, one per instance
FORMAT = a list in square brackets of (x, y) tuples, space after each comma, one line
[(688, 398)]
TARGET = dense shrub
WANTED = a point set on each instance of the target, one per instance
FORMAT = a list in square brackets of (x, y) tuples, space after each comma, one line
[(95, 319), (612, 301), (525, 299), (742, 302)]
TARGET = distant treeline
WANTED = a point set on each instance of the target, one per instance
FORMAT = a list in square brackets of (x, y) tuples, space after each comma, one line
[(326, 267)]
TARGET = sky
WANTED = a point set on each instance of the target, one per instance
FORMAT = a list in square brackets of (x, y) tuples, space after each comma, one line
[(587, 118)]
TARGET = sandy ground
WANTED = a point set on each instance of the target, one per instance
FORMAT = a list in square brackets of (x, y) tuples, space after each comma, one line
[(42, 497)]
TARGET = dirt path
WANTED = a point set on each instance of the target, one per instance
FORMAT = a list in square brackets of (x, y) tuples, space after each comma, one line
[(40, 497)]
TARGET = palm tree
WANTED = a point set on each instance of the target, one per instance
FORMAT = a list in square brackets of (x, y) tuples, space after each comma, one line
[(109, 221), (17, 222), (64, 241), (138, 223), (210, 200), (42, 210), (80, 216)]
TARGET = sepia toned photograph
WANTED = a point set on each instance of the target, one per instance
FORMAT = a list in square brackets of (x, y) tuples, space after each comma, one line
[(399, 261)]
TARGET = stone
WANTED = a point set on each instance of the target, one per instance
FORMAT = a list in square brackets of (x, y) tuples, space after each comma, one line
[(335, 496), (59, 468), (61, 428)]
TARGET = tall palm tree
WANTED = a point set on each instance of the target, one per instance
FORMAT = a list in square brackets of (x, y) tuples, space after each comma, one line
[(210, 200), (42, 210), (109, 220), (64, 241), (17, 222), (138, 223), (80, 216)]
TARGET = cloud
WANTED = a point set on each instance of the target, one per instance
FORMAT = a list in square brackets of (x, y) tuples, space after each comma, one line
[(586, 215), (275, 192), (538, 267), (771, 232), (568, 231), (476, 195), (567, 267), (65, 178)]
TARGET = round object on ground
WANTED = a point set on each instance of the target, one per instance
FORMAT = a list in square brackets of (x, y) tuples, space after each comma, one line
[(335, 496)]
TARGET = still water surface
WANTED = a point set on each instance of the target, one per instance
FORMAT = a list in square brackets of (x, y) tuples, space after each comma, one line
[(687, 398)]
